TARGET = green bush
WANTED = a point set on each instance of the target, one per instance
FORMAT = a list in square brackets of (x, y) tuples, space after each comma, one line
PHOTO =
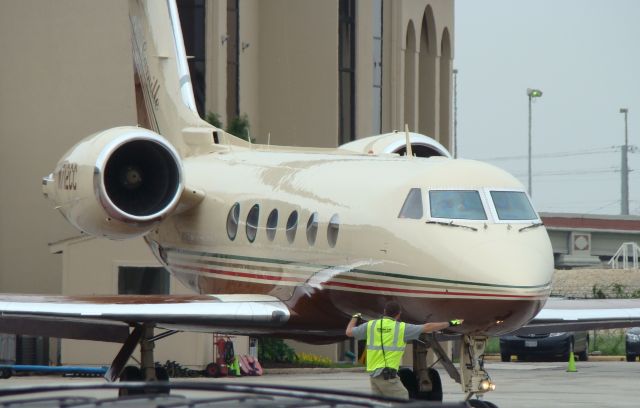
[(273, 350), (214, 119), (239, 125), (609, 343)]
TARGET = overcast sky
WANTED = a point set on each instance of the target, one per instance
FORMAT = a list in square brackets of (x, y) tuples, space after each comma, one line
[(585, 57)]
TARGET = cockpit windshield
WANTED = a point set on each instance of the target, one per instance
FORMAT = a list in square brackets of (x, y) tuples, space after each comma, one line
[(513, 205), (456, 204)]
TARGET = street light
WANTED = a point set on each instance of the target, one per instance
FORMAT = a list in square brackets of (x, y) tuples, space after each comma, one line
[(455, 113), (624, 187), (531, 93)]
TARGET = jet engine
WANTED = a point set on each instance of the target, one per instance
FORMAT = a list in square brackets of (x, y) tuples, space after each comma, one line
[(118, 183), (396, 142)]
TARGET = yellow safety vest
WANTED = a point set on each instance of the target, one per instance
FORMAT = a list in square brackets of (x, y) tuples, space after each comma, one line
[(385, 343)]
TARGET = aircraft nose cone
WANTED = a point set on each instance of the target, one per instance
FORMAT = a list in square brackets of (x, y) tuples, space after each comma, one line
[(512, 262)]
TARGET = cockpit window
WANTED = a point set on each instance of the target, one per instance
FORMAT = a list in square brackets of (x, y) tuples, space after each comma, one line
[(513, 205), (412, 207), (456, 204)]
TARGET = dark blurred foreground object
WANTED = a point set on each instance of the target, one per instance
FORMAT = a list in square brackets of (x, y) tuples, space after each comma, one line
[(632, 343), (208, 395)]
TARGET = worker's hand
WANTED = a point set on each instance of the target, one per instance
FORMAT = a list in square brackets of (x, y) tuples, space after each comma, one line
[(455, 322), (357, 316)]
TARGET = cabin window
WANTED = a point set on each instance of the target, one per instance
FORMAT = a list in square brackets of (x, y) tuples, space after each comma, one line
[(513, 205), (332, 230), (252, 222), (456, 204), (272, 224), (292, 226), (412, 207), (312, 228), (232, 221)]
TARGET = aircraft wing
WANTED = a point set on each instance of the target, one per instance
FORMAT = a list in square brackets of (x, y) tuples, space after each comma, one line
[(108, 318), (560, 315)]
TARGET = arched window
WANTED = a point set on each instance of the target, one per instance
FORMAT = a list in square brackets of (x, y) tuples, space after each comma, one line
[(410, 78), (252, 222), (427, 82), (232, 221), (445, 91)]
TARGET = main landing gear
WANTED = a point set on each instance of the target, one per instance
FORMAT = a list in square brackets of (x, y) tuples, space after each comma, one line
[(424, 382), (141, 334)]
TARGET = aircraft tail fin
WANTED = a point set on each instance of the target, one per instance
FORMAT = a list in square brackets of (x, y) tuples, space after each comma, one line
[(164, 95)]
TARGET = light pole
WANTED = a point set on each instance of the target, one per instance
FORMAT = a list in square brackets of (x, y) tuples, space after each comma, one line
[(531, 93), (624, 188), (455, 113)]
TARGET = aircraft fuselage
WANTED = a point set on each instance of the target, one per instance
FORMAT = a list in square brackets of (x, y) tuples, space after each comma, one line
[(324, 233)]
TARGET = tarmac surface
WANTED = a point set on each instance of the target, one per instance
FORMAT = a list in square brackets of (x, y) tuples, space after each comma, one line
[(527, 384)]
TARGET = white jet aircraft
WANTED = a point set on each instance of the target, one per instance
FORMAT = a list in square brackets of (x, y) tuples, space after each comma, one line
[(290, 241)]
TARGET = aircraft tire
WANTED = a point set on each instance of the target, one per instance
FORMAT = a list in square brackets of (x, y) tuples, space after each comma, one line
[(6, 373), (505, 358), (130, 374), (161, 375), (410, 382), (476, 403)]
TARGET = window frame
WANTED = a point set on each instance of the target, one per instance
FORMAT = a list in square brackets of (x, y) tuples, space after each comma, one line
[(487, 203), (291, 231), (237, 221), (332, 239), (269, 229), (494, 211), (251, 230), (483, 199), (311, 230), (404, 216)]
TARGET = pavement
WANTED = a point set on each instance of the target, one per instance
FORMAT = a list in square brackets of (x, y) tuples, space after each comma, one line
[(522, 385)]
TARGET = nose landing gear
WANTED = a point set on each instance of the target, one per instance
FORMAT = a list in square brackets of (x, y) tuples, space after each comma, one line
[(424, 382)]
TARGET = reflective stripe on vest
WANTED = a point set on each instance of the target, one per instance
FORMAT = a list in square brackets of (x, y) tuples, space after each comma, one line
[(385, 343)]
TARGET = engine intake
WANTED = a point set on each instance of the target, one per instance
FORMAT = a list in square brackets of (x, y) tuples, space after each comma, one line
[(118, 183), (396, 142), (140, 179)]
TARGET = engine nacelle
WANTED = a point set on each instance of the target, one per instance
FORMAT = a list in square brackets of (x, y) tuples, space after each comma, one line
[(396, 142), (118, 183)]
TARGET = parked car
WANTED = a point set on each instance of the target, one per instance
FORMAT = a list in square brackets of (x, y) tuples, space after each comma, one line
[(545, 346), (632, 343)]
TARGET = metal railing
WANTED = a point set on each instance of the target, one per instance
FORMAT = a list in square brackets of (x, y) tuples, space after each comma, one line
[(621, 259)]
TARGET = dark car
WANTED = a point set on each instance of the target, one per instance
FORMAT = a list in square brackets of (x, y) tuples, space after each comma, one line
[(545, 346), (632, 343)]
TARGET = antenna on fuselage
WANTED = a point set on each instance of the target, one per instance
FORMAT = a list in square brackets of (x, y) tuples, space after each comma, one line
[(268, 139), (409, 150)]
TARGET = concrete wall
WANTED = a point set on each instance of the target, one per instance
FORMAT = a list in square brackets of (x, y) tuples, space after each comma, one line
[(579, 283), (65, 73)]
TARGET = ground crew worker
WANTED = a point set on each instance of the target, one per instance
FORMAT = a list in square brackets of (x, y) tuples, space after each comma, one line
[(386, 340)]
